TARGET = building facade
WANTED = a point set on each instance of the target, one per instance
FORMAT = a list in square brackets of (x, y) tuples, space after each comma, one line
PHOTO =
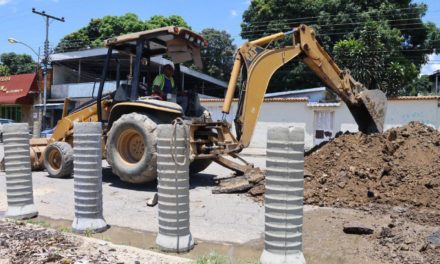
[(18, 93)]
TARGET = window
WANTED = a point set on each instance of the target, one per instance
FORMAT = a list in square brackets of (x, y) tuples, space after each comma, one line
[(11, 112)]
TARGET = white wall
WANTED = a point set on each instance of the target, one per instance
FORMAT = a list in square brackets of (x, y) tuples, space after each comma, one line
[(399, 112), (403, 111)]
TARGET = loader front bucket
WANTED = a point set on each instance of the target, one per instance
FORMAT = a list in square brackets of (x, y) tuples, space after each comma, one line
[(369, 112), (37, 147)]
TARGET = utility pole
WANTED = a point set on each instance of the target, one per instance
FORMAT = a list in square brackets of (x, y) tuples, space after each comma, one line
[(436, 81), (46, 54)]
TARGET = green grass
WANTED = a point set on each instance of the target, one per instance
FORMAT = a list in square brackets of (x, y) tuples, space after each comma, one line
[(89, 232), (213, 258), (65, 229), (34, 222), (42, 223)]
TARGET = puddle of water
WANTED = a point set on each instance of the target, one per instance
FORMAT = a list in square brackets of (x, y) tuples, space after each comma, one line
[(237, 253), (2, 214)]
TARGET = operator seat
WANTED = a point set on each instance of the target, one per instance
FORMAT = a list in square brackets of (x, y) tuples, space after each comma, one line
[(122, 93)]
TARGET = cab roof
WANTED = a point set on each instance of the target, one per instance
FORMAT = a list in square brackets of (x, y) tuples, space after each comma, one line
[(179, 43)]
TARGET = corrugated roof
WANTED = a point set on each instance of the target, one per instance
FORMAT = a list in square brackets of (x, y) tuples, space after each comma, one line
[(416, 98)]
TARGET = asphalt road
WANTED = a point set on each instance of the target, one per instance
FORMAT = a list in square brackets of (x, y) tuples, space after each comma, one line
[(220, 217)]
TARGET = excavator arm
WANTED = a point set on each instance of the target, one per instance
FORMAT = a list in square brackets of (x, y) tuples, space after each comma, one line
[(257, 65)]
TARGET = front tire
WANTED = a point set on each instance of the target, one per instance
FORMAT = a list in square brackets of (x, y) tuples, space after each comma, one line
[(131, 148), (58, 159)]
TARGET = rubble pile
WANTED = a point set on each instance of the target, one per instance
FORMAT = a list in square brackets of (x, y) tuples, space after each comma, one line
[(22, 243), (398, 167), (405, 242)]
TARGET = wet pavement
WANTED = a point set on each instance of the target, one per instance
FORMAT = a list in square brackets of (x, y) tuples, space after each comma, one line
[(213, 217)]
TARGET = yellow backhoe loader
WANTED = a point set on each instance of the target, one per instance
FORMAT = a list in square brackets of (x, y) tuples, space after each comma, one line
[(129, 120)]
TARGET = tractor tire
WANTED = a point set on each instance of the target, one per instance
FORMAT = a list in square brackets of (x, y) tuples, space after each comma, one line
[(131, 148), (199, 165), (58, 159)]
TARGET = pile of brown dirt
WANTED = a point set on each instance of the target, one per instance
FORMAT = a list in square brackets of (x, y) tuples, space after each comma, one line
[(399, 167)]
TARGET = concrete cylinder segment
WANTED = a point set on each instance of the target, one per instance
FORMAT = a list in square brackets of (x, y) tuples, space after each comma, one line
[(284, 196), (87, 175), (173, 187), (18, 172)]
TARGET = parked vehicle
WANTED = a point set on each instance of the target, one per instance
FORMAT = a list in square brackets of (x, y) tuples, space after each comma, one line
[(47, 133)]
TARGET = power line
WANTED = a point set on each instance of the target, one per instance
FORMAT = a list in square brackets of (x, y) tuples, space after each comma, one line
[(390, 20), (301, 20), (46, 51), (278, 22)]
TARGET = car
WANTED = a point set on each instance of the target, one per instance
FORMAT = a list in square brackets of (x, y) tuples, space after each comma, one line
[(47, 133), (2, 122)]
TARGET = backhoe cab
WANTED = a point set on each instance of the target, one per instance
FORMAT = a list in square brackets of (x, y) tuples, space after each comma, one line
[(131, 114)]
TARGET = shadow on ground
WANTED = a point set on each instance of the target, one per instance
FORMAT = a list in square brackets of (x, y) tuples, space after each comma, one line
[(196, 180)]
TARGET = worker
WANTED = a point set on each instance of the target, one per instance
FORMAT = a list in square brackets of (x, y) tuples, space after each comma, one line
[(163, 84)]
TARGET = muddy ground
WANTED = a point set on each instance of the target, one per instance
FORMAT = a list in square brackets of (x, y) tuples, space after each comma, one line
[(395, 173), (397, 168), (21, 242)]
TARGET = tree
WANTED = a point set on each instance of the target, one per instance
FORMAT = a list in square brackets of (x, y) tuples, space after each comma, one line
[(99, 29), (218, 57), (12, 63), (382, 42), (4, 70), (419, 85)]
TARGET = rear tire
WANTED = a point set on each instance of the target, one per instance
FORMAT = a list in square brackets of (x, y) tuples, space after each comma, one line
[(131, 148), (58, 159)]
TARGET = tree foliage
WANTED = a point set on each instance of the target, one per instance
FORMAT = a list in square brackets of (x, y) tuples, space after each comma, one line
[(218, 56), (12, 63), (420, 85), (4, 70), (99, 29), (383, 42)]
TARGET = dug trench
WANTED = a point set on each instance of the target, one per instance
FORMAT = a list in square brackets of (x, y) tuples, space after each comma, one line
[(396, 173)]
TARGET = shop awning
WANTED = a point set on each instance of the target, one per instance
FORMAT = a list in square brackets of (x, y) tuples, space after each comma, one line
[(16, 89)]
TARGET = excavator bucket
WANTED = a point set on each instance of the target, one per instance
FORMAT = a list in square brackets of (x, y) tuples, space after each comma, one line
[(376, 103), (370, 111)]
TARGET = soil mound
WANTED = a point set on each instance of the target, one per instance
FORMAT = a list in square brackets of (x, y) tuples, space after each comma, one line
[(399, 167)]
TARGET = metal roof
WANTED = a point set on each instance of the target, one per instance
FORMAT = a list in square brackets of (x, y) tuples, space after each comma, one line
[(100, 52)]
